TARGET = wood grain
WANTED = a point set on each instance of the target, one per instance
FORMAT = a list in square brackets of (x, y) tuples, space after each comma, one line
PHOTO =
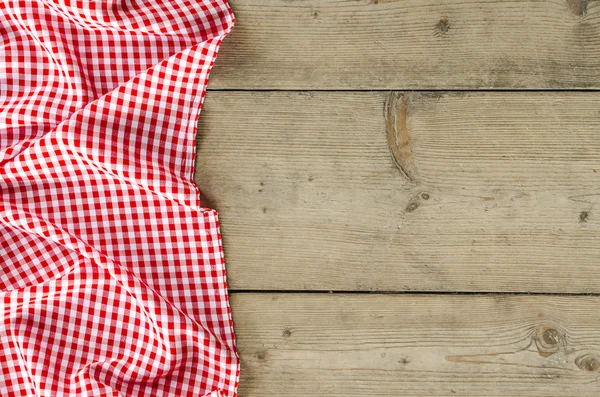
[(502, 193), (417, 345), (411, 44)]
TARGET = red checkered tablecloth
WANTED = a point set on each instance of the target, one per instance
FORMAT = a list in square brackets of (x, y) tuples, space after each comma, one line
[(112, 277)]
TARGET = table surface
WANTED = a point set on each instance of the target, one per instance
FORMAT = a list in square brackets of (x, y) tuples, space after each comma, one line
[(407, 193)]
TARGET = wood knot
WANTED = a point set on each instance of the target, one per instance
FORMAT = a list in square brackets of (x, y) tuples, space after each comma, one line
[(415, 202), (578, 7), (404, 361), (583, 216), (287, 333), (399, 141), (551, 337), (261, 355), (548, 340), (442, 27), (588, 362), (412, 206)]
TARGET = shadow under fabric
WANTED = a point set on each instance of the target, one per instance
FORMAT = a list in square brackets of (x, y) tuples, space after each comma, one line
[(112, 278)]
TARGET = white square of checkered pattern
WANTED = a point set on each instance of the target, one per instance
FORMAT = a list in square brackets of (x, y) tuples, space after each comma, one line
[(112, 280)]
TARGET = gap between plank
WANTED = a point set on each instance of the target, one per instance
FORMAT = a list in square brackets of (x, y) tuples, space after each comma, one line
[(349, 292), (491, 90)]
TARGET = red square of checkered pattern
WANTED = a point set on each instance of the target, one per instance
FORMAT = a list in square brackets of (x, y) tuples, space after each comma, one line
[(112, 279)]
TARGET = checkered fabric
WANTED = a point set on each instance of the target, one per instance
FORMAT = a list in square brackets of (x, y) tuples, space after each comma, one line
[(112, 277)]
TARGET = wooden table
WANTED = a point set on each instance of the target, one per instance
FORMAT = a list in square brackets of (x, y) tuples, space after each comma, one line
[(408, 195)]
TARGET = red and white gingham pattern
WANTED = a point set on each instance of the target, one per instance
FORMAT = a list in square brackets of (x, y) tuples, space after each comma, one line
[(112, 280)]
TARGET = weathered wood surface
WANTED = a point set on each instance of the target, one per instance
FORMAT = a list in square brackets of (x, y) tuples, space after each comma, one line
[(499, 192), (417, 345), (411, 44)]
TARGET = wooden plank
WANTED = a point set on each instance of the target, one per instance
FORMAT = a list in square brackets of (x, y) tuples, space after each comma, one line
[(411, 44), (417, 345), (500, 192)]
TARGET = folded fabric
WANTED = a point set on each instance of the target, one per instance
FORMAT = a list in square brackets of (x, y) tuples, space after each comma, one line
[(112, 276)]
